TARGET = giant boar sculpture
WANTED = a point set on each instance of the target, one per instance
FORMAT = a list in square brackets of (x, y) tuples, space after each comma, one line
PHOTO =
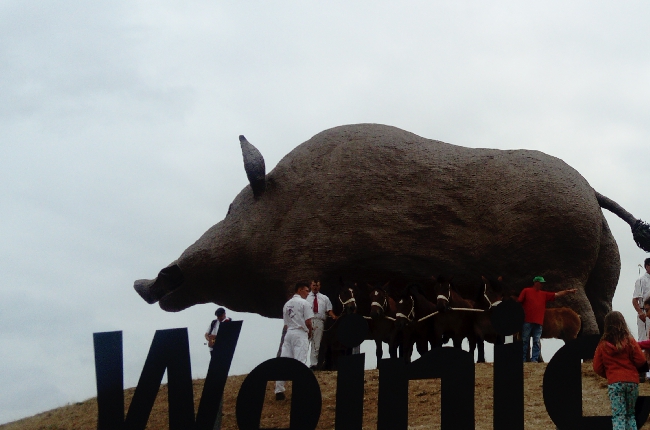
[(376, 203)]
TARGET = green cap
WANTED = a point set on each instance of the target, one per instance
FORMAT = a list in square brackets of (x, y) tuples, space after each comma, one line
[(538, 279)]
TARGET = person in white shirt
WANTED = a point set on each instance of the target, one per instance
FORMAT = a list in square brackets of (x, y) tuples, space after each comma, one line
[(297, 315), (213, 329), (322, 308), (641, 294)]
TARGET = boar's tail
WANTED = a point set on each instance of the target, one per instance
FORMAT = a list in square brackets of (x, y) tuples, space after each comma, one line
[(640, 229)]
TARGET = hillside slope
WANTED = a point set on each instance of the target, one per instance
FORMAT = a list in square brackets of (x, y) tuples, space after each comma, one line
[(424, 401)]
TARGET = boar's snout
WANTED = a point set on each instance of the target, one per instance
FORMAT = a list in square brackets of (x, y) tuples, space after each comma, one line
[(152, 290)]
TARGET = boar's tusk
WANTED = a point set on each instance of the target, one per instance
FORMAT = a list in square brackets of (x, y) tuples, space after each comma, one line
[(168, 280), (254, 166)]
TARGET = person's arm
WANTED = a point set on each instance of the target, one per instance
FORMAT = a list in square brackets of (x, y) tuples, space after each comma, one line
[(637, 307), (331, 314), (565, 292), (637, 300), (308, 324), (638, 358), (598, 365), (521, 295)]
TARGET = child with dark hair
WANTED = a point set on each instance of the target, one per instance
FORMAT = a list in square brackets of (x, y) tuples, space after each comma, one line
[(617, 358)]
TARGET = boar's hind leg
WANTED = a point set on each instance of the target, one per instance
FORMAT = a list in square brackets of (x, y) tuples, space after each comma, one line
[(602, 281)]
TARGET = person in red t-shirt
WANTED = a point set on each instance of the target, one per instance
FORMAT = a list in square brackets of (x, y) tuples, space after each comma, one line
[(534, 299)]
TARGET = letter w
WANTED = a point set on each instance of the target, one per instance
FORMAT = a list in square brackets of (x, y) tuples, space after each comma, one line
[(169, 351)]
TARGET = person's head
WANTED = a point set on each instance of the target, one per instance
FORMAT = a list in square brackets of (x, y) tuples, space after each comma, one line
[(315, 286), (616, 330), (538, 282), (646, 264), (302, 289), (221, 314)]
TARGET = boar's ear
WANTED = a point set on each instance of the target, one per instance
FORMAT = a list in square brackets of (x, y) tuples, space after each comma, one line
[(254, 166)]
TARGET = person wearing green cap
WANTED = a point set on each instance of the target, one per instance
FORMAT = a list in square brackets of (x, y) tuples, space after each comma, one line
[(533, 299)]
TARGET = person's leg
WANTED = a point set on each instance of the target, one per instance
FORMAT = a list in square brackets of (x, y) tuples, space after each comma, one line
[(525, 338), (314, 342), (617, 400), (631, 394), (642, 330), (217, 422), (536, 334), (301, 347), (287, 351)]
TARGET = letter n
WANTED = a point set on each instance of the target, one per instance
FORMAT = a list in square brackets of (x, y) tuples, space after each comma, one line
[(453, 366)]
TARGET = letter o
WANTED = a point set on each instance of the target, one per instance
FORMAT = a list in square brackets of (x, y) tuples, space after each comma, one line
[(306, 399)]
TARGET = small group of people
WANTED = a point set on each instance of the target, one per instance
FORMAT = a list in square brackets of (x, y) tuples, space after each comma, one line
[(619, 356), (304, 318)]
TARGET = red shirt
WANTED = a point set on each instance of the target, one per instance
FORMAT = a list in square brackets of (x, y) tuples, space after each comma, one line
[(534, 303), (618, 366)]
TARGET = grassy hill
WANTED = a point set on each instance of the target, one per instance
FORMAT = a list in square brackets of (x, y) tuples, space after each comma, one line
[(424, 401)]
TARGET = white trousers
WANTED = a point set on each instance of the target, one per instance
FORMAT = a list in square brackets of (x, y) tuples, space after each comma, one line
[(317, 327), (643, 328), (296, 345)]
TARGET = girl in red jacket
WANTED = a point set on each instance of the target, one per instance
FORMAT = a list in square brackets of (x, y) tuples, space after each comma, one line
[(617, 357)]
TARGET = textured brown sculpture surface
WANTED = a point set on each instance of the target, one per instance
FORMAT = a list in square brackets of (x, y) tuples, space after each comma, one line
[(376, 203)]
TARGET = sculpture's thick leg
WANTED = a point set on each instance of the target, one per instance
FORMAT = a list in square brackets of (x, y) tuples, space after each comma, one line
[(602, 281)]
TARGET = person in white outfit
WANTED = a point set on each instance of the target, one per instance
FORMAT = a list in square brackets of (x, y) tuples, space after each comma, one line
[(322, 308), (641, 294), (297, 315)]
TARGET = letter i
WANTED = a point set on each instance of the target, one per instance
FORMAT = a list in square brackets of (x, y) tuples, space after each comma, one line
[(349, 392), (507, 319), (508, 387)]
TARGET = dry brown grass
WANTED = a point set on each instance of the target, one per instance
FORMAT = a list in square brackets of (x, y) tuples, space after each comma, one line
[(424, 401)]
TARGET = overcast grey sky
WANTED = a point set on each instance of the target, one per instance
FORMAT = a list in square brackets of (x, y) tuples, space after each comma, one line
[(119, 123)]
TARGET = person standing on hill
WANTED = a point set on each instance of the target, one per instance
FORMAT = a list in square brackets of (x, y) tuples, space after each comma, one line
[(641, 294), (617, 358), (533, 299), (322, 308), (297, 315), (211, 336), (211, 332)]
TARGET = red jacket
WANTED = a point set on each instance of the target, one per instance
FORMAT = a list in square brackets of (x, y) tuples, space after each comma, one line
[(618, 366)]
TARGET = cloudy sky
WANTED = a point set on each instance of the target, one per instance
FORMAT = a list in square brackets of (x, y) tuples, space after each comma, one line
[(119, 123)]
